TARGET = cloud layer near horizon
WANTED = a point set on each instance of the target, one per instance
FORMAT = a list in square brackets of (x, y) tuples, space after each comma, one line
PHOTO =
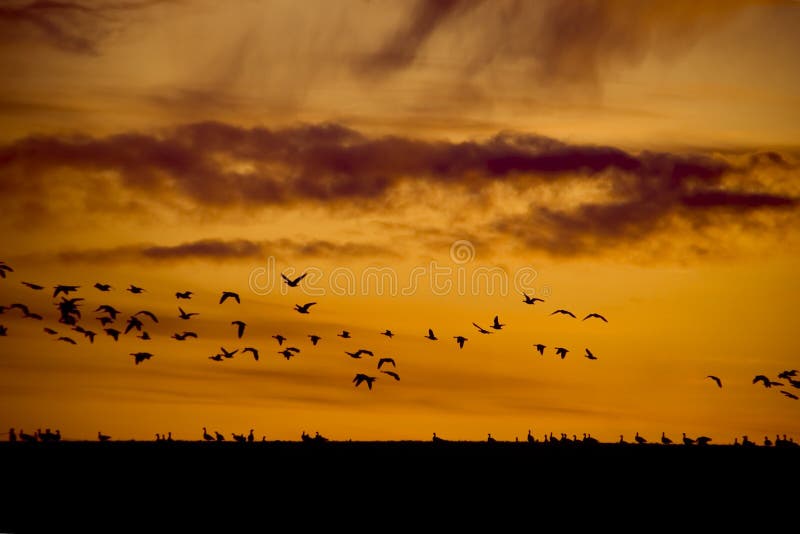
[(215, 164)]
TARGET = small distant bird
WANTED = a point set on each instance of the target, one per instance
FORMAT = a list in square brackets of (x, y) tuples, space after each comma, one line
[(687, 440), (36, 287), (111, 310), (50, 331), (790, 395), (314, 339), (150, 314), (540, 348), (103, 437), (530, 300), (216, 357), (388, 333), (361, 377), (67, 340), (113, 333), (345, 334), (228, 354), (105, 321), (184, 335), (715, 379), (252, 351), (186, 316), (386, 360), (280, 339), (481, 329), (87, 333), (639, 439), (229, 294), (460, 340), (358, 353), (392, 374), (102, 287), (597, 315), (4, 269), (497, 325), (304, 308), (788, 374), (430, 335), (766, 381), (288, 353), (240, 327), (665, 440), (139, 357), (134, 322), (293, 282), (64, 289), (564, 312), (561, 351), (590, 355), (135, 290), (186, 295)]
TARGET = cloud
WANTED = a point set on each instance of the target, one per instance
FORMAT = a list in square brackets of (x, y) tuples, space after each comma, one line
[(217, 164)]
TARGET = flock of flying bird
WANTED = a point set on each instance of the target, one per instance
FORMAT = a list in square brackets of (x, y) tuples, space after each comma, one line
[(70, 315)]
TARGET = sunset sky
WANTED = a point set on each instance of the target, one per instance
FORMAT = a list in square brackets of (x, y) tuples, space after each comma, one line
[(424, 162)]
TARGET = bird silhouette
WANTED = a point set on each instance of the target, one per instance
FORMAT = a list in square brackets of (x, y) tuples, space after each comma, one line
[(4, 268), (530, 300), (228, 354), (67, 339), (184, 335), (150, 314), (35, 287), (134, 322), (460, 340), (103, 437), (216, 357), (314, 339), (229, 294), (392, 374), (102, 287), (481, 329), (761, 378), (135, 290), (590, 355), (639, 439), (240, 328), (388, 333), (207, 436), (430, 335), (715, 379), (789, 395), (386, 360), (86, 333), (239, 438), (139, 357), (358, 353), (185, 295), (597, 315), (564, 312), (540, 348), (64, 289), (252, 351), (304, 308), (280, 339), (530, 437), (687, 440), (665, 440), (490, 439), (496, 324), (50, 331), (289, 352), (345, 334), (787, 375), (105, 321), (703, 440), (361, 377), (110, 310), (293, 282), (144, 336), (218, 436), (113, 332), (561, 351)]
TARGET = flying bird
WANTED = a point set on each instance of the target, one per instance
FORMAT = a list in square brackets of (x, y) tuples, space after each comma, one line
[(216, 357), (530, 300), (715, 379), (293, 282), (184, 335), (113, 333), (36, 287), (139, 357), (288, 353), (788, 374), (388, 333), (314, 339), (4, 269), (229, 294), (481, 329), (50, 331), (597, 315), (134, 322), (144, 336), (68, 340), (561, 351), (361, 377), (460, 340), (113, 312), (345, 334), (564, 312), (105, 321), (497, 325), (252, 351), (304, 308), (280, 339), (149, 314), (790, 395), (540, 348), (386, 360), (135, 290), (240, 327), (392, 374), (359, 352), (102, 287), (766, 381), (186, 295), (228, 354), (64, 289), (186, 316), (590, 355), (430, 335)]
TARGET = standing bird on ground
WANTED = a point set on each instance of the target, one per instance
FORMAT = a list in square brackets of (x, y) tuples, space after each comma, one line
[(687, 440), (564, 312), (240, 328), (597, 315), (715, 379), (293, 282), (639, 439), (460, 340), (540, 348), (530, 300), (314, 339), (229, 294), (497, 325), (665, 440), (103, 437), (304, 308), (430, 335), (207, 436)]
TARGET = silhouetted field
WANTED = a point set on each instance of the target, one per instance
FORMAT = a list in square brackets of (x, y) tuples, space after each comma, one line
[(323, 483)]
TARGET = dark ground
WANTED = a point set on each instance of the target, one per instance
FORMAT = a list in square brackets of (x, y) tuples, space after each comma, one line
[(389, 485)]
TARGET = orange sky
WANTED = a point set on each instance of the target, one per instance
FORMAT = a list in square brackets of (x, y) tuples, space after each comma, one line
[(633, 159)]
